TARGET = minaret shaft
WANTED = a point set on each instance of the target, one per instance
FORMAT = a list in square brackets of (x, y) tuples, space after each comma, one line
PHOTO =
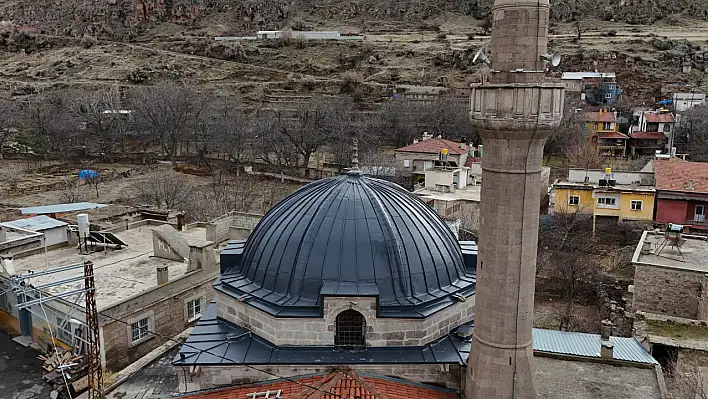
[(514, 114)]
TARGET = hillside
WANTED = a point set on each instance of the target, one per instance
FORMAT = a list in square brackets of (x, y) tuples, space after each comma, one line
[(51, 44)]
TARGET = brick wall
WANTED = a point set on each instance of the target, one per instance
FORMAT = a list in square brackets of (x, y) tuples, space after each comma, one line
[(165, 307), (672, 292), (217, 230), (215, 376), (320, 331)]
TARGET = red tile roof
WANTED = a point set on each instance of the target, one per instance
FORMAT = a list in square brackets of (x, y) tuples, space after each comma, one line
[(343, 383), (648, 135), (471, 161), (599, 117), (433, 146), (674, 174), (612, 135), (664, 117)]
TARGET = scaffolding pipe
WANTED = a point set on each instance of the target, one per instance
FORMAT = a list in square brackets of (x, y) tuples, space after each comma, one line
[(59, 282), (50, 298), (49, 271)]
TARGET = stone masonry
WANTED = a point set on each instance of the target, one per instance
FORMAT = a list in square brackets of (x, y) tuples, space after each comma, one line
[(218, 230), (167, 318), (669, 291), (320, 331), (514, 113)]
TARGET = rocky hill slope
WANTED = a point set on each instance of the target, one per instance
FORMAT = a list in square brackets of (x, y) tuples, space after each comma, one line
[(126, 18)]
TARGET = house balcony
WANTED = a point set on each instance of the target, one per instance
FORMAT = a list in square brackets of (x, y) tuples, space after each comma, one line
[(701, 223)]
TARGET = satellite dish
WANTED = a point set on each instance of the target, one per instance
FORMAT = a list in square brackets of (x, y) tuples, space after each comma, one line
[(554, 58), (480, 57)]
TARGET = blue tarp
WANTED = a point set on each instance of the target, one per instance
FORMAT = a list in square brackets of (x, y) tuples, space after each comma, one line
[(88, 174)]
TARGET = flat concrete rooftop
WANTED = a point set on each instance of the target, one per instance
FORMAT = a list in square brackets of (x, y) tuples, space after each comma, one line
[(469, 193), (119, 274), (693, 248)]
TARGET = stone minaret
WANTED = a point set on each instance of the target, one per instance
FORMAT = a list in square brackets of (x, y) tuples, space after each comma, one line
[(513, 112)]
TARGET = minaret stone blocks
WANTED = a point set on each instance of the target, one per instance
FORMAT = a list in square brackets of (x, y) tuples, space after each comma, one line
[(513, 113)]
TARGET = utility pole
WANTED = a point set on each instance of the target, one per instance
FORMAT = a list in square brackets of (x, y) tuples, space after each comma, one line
[(95, 376)]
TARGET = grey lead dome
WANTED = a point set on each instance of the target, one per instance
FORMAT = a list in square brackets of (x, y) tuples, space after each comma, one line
[(349, 236)]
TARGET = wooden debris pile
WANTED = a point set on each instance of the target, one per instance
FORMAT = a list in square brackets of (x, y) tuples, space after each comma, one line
[(64, 369)]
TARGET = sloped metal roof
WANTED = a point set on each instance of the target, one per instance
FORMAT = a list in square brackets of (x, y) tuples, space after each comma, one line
[(37, 223), (588, 345), (60, 208), (216, 341)]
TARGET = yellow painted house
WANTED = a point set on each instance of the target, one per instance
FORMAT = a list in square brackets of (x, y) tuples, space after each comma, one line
[(626, 196)]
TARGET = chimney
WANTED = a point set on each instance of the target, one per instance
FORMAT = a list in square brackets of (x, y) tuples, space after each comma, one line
[(463, 143), (181, 221), (427, 136), (84, 231), (201, 256), (162, 275), (689, 185), (606, 346), (415, 141), (606, 350)]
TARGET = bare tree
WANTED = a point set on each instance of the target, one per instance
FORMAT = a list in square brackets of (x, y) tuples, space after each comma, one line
[(692, 134), (448, 117), (398, 123), (52, 128), (232, 133), (8, 119), (583, 155), (163, 190), (569, 132), (170, 112), (316, 124), (73, 191), (103, 119), (271, 143)]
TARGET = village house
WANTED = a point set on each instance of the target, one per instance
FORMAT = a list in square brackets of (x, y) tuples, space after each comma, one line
[(603, 132), (416, 158), (647, 143), (682, 102), (606, 195), (682, 193), (670, 297), (153, 279), (598, 88), (655, 121)]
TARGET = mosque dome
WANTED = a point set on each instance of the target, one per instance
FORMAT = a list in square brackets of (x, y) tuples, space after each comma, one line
[(350, 236)]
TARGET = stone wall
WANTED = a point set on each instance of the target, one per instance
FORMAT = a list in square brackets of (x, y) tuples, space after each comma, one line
[(165, 306), (215, 376), (668, 291), (320, 331), (218, 230), (689, 360)]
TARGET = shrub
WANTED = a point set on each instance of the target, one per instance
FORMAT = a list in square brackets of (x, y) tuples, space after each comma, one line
[(88, 41), (350, 80)]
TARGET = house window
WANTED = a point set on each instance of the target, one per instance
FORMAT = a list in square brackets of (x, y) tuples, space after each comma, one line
[(427, 165), (612, 87), (607, 125), (406, 163), (574, 200), (607, 202), (667, 127), (140, 330), (594, 126), (195, 308), (608, 95), (350, 330), (636, 205)]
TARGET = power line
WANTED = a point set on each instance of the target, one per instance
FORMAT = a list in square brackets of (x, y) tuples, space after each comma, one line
[(213, 354)]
